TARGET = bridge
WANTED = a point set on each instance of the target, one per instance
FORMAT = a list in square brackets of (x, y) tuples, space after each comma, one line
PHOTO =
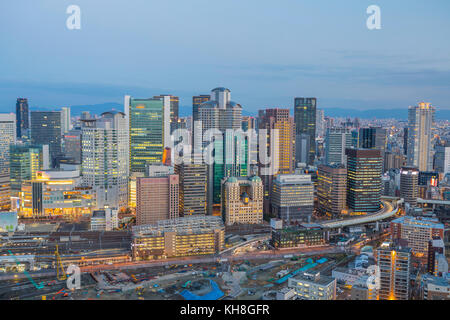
[(390, 209)]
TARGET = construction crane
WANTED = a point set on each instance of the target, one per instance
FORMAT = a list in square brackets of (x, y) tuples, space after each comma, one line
[(60, 272)]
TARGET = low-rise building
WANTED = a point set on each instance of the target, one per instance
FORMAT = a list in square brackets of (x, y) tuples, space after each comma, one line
[(104, 220), (306, 235), (309, 286)]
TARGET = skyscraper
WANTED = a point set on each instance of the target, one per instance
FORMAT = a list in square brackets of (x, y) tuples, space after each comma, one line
[(305, 122), (337, 140), (442, 158), (174, 109), (331, 190), (8, 137), (72, 145), (193, 187), (105, 150), (320, 123), (66, 123), (22, 120), (196, 102), (373, 138), (46, 129), (420, 126), (157, 199), (149, 128), (409, 184), (364, 180)]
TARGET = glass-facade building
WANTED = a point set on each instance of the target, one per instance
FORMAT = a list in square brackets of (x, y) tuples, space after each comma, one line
[(46, 129), (305, 122), (22, 121)]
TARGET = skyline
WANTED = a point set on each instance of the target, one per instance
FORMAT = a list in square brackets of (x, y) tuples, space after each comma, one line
[(114, 54)]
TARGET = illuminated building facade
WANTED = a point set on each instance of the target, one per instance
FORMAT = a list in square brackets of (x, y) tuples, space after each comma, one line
[(364, 168), (72, 145), (196, 102), (8, 137), (56, 193), (306, 235), (46, 130), (331, 190), (417, 231), (157, 198), (187, 236), (193, 187), (409, 184), (395, 267), (149, 129), (420, 127), (313, 286), (337, 140), (242, 200), (292, 197), (23, 124), (105, 153), (174, 103), (305, 122)]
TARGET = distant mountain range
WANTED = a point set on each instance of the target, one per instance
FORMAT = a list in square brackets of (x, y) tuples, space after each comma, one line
[(400, 114)]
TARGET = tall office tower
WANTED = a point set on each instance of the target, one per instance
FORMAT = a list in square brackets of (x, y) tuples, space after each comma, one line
[(305, 122), (231, 150), (242, 200), (8, 137), (66, 122), (46, 129), (25, 161), (405, 141), (157, 198), (331, 190), (149, 128), (320, 123), (105, 158), (364, 180), (442, 158), (420, 126), (174, 102), (277, 120), (193, 182), (22, 120), (436, 247), (373, 138), (395, 264), (72, 145), (302, 143), (416, 231), (409, 184), (394, 160), (292, 197), (196, 102), (355, 138), (337, 140)]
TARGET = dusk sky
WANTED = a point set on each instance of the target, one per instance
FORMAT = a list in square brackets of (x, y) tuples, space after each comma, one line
[(265, 52)]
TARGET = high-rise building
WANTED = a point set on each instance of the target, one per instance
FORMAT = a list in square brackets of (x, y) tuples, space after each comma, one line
[(417, 232), (8, 137), (292, 197), (193, 186), (105, 158), (66, 122), (331, 190), (320, 123), (395, 267), (157, 198), (22, 119), (242, 200), (364, 168), (436, 247), (442, 158), (46, 129), (420, 126), (174, 109), (409, 184), (196, 102), (105, 220), (25, 161), (394, 160), (305, 122), (337, 140), (72, 145), (302, 143), (149, 127), (230, 148), (373, 138)]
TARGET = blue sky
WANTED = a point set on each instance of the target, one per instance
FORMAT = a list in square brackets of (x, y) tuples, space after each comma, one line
[(266, 52)]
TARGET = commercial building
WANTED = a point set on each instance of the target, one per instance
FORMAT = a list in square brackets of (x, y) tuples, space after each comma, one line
[(104, 220), (22, 119), (72, 145), (46, 130), (158, 170), (305, 122), (331, 190), (157, 199), (409, 184), (337, 140), (193, 187), (196, 102), (313, 286), (174, 106), (305, 235), (442, 158), (149, 129), (8, 137), (105, 150), (436, 261), (364, 180), (56, 193), (242, 200), (395, 268), (292, 197), (373, 138), (420, 127), (66, 122), (436, 288), (187, 236), (417, 231)]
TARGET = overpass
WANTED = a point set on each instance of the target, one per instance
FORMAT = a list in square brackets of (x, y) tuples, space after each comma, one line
[(390, 208)]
